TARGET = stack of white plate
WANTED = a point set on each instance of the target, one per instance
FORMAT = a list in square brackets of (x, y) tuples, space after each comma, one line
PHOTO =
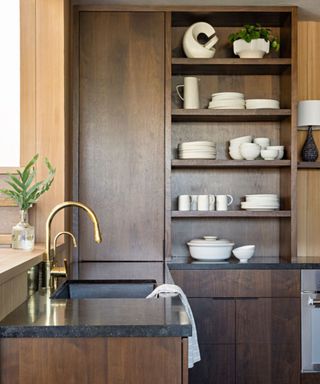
[(262, 104), (261, 202), (227, 100), (197, 150)]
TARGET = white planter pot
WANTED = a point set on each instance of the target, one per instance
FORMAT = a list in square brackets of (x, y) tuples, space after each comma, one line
[(256, 49)]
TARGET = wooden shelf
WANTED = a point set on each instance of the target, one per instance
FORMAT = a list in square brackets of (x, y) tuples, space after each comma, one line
[(309, 165), (229, 66), (230, 115), (230, 163), (229, 214)]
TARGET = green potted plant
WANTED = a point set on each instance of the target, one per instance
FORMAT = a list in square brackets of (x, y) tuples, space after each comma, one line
[(253, 41), (25, 192)]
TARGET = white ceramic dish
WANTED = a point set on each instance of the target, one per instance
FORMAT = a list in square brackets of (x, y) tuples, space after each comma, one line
[(228, 95), (279, 148), (213, 252), (269, 154), (250, 151), (244, 253), (240, 140)]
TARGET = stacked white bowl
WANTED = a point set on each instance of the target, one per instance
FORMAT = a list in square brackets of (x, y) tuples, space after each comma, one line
[(262, 104), (214, 250), (197, 150), (234, 148), (261, 202), (227, 100)]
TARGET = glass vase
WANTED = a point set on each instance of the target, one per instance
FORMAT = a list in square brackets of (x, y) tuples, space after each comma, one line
[(23, 233)]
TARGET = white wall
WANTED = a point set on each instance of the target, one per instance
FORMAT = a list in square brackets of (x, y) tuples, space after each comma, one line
[(10, 83)]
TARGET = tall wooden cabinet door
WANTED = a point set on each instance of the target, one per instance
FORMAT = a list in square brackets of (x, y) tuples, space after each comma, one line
[(121, 133), (268, 341)]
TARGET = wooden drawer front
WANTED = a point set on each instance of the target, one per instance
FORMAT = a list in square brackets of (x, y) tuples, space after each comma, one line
[(310, 378), (215, 320), (217, 365), (238, 283), (267, 364), (275, 321)]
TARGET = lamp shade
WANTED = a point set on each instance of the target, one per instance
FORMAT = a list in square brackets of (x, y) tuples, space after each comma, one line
[(308, 113)]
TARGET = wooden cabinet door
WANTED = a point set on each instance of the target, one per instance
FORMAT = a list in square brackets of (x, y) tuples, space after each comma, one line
[(215, 321), (268, 341), (121, 133)]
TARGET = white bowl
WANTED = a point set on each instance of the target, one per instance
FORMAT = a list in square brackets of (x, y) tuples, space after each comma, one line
[(240, 140), (250, 151), (262, 141), (235, 155), (280, 149), (244, 253), (269, 154), (214, 251)]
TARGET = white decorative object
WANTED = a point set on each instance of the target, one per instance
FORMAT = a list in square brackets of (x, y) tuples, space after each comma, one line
[(191, 46), (256, 49)]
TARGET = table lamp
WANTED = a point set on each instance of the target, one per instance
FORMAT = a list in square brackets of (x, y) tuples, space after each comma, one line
[(308, 116)]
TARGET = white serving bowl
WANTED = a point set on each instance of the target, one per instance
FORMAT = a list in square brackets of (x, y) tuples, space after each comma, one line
[(210, 250), (244, 253), (235, 155), (279, 148), (262, 141), (250, 151), (240, 140), (269, 154)]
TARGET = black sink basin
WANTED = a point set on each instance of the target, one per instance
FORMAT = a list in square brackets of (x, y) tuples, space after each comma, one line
[(104, 289)]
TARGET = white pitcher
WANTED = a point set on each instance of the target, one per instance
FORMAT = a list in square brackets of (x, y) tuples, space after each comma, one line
[(190, 93)]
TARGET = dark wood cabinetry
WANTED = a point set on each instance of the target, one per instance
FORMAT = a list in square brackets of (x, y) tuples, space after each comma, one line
[(119, 132), (112, 360), (248, 322)]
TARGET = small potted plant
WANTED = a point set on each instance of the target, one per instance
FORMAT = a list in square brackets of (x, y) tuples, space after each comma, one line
[(25, 192), (253, 41)]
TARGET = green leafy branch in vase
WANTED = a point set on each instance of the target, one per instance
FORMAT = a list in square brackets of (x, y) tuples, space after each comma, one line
[(24, 190)]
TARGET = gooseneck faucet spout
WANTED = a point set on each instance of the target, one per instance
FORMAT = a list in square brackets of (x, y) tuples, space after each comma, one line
[(56, 209)]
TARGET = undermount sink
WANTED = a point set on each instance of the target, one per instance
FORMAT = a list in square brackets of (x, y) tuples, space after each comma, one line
[(104, 289)]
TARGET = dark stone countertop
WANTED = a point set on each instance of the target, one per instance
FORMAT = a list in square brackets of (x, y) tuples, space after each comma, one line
[(41, 316), (253, 263)]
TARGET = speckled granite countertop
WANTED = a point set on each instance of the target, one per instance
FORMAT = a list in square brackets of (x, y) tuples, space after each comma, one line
[(254, 263)]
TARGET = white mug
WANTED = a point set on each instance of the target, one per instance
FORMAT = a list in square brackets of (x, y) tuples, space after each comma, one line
[(184, 203), (190, 92), (194, 202), (203, 203), (222, 202), (211, 202)]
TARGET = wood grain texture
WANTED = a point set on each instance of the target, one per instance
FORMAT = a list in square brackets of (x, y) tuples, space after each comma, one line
[(308, 205), (121, 134), (215, 320), (94, 361), (51, 105), (239, 283), (217, 365), (13, 292), (310, 378)]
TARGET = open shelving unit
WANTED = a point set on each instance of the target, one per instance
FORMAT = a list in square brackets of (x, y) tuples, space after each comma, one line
[(273, 232)]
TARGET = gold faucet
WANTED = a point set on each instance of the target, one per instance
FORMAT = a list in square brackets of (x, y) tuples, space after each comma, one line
[(57, 271), (56, 209)]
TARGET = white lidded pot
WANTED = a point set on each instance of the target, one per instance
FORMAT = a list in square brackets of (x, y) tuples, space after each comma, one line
[(195, 50)]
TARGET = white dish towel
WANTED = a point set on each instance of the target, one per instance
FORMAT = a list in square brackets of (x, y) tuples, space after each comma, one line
[(193, 346)]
